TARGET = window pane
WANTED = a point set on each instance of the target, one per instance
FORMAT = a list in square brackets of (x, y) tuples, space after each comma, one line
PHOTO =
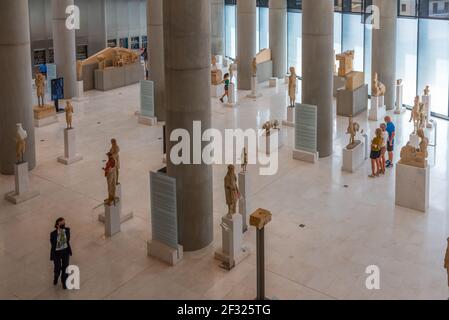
[(294, 35), (407, 42), (264, 28), (353, 38), (436, 9), (433, 63), (407, 8), (337, 32), (231, 31)]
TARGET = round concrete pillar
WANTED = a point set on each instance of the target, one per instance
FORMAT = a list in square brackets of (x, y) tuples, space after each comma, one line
[(278, 36), (16, 88), (64, 47), (187, 77), (156, 67), (384, 49), (217, 30), (318, 65), (246, 42)]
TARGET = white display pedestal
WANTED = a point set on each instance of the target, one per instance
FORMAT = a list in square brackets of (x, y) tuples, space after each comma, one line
[(70, 156), (378, 110), (22, 190), (38, 123), (412, 187), (148, 121), (287, 78), (270, 143), (353, 158), (244, 187), (254, 89), (232, 252), (399, 99), (274, 82), (164, 253), (367, 146), (305, 156), (79, 92), (290, 117), (427, 101), (414, 140), (216, 91), (112, 218), (123, 217), (232, 97)]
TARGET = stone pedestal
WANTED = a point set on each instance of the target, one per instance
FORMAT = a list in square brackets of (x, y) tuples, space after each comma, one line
[(70, 156), (290, 122), (412, 187), (305, 156), (164, 253), (353, 158), (378, 110), (148, 121), (232, 251), (254, 89), (44, 116), (216, 90), (123, 217), (352, 103), (244, 187), (22, 190), (112, 218), (339, 83), (232, 102), (270, 143), (79, 91), (399, 99), (427, 101), (367, 145), (414, 140), (274, 82)]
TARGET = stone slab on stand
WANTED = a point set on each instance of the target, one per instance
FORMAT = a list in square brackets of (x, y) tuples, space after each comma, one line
[(378, 110), (244, 207), (412, 187), (254, 89), (22, 190), (165, 253), (352, 103), (232, 251), (70, 155), (44, 116), (290, 122), (112, 218), (123, 217), (353, 158)]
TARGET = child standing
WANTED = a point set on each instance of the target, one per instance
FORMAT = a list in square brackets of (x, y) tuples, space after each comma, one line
[(383, 149), (376, 145), (226, 82)]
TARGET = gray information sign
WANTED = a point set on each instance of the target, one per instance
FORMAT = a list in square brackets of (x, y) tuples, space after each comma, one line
[(147, 98), (164, 219), (306, 127)]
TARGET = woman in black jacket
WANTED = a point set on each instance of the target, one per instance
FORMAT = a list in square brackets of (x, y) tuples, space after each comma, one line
[(60, 250)]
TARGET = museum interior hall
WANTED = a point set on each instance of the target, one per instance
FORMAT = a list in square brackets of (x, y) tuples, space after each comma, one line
[(224, 149)]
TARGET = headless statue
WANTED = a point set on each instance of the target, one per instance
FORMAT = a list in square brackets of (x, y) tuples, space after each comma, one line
[(292, 86), (115, 151), (231, 190), (109, 173), (40, 89), (21, 136)]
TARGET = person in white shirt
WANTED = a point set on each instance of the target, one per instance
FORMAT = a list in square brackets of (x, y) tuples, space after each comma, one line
[(383, 148)]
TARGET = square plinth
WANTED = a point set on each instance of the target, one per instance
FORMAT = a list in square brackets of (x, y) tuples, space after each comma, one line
[(352, 103), (412, 187), (353, 158)]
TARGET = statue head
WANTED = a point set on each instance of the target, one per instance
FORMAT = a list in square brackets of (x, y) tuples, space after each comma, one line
[(113, 141), (292, 70)]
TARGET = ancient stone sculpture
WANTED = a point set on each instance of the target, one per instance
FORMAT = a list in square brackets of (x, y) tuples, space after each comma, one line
[(231, 190), (427, 90), (399, 82), (267, 126), (378, 88), (415, 114), (346, 62), (275, 124), (254, 67), (115, 151), (110, 174), (68, 114), (244, 159), (40, 89), (292, 86), (353, 128), (416, 157), (21, 136), (446, 261)]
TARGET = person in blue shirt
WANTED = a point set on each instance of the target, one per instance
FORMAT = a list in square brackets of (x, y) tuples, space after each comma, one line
[(390, 143)]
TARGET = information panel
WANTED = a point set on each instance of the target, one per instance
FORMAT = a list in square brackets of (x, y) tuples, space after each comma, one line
[(147, 98), (306, 127)]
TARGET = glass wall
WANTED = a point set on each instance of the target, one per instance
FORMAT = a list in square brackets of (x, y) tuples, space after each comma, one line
[(231, 30), (353, 37), (263, 29), (294, 42)]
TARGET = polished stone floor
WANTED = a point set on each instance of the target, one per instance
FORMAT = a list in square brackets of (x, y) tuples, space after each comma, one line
[(327, 227)]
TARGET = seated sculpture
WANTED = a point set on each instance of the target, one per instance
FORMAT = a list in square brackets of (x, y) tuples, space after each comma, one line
[(378, 88), (416, 157), (346, 62)]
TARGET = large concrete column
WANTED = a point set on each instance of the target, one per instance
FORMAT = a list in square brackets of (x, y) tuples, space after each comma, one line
[(155, 31), (246, 41), (217, 30), (278, 36), (384, 49), (64, 47), (318, 65), (97, 35), (187, 77), (15, 89)]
